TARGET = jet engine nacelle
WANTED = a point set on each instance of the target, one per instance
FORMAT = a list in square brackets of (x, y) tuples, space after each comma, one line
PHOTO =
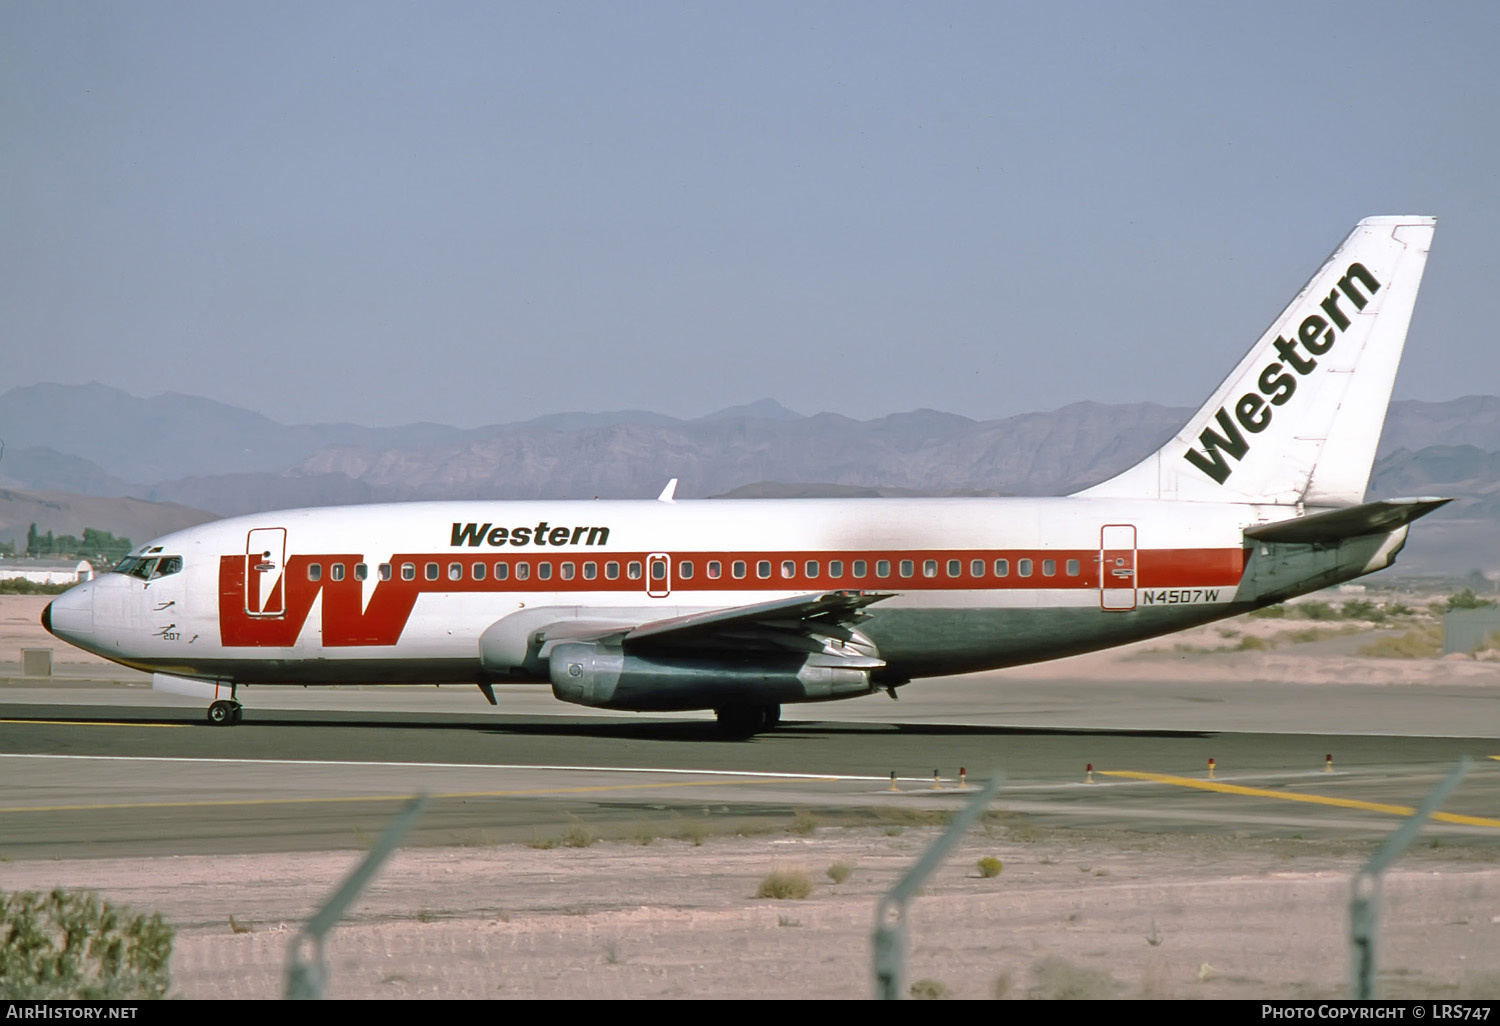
[(608, 677)]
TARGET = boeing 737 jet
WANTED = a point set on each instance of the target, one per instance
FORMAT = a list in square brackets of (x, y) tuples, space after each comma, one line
[(744, 606)]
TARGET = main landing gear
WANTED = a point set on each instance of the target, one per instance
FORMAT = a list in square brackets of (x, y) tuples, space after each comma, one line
[(225, 713), (742, 721)]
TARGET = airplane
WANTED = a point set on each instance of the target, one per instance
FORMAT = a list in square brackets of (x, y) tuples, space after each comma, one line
[(743, 606)]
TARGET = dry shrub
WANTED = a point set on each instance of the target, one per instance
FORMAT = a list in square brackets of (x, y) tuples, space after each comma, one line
[(928, 990), (579, 836), (70, 945), (785, 885), (1422, 642), (1057, 979)]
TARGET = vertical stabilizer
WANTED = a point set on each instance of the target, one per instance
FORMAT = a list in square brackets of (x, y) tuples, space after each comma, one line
[(1298, 420)]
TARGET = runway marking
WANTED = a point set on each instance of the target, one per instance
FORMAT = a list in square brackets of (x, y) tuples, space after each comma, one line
[(743, 777), (456, 765), (1315, 799), (239, 802), (100, 723)]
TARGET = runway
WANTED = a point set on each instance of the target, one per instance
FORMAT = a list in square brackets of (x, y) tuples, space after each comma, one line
[(93, 769)]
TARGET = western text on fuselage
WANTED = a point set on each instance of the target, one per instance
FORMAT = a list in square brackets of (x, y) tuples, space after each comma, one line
[(544, 533)]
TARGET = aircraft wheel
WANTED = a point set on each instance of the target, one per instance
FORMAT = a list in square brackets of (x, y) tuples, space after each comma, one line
[(222, 713), (742, 721)]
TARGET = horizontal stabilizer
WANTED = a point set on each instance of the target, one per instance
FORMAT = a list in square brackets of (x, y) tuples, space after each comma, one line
[(1337, 524)]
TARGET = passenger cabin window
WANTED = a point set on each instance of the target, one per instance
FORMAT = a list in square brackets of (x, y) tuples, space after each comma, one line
[(544, 571), (835, 568), (715, 570), (658, 570), (336, 572), (455, 571), (590, 571), (956, 567), (907, 568), (858, 569), (929, 568), (811, 568), (430, 571), (633, 570), (408, 571), (976, 568), (385, 571), (882, 568), (763, 568), (1023, 567), (788, 568), (502, 571), (1072, 567), (523, 571), (1049, 567), (478, 571), (611, 570), (685, 570), (315, 571), (1002, 568), (566, 571), (361, 571), (737, 568)]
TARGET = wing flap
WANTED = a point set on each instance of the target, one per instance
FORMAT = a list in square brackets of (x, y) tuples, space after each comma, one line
[(829, 609)]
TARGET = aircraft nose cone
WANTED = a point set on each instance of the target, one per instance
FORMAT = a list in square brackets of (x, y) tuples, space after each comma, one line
[(71, 615)]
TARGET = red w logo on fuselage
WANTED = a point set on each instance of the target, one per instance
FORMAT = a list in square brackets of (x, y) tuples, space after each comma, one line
[(344, 623)]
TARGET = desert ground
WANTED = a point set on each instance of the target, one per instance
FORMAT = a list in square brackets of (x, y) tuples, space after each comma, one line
[(672, 911)]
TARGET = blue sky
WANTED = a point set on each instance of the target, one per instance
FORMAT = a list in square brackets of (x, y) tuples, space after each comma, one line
[(478, 213)]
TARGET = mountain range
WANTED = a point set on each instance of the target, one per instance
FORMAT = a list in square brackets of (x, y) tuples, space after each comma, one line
[(187, 454)]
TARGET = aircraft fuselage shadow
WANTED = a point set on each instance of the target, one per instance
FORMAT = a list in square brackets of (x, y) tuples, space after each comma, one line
[(643, 729)]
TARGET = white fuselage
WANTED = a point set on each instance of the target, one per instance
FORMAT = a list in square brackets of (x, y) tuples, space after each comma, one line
[(402, 593)]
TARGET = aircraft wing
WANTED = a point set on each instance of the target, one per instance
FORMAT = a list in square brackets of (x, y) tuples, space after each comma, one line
[(807, 623), (819, 624), (823, 610)]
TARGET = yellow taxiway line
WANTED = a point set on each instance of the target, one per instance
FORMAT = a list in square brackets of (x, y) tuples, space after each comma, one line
[(1314, 799)]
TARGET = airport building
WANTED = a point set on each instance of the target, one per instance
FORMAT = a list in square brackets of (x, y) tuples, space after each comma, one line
[(46, 571)]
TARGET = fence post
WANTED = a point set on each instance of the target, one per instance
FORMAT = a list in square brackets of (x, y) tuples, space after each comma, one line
[(306, 970), (1364, 900), (890, 911)]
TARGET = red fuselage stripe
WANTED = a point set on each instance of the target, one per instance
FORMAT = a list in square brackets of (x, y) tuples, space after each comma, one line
[(381, 622)]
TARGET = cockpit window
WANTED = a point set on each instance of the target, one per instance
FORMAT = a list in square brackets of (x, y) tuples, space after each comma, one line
[(148, 568)]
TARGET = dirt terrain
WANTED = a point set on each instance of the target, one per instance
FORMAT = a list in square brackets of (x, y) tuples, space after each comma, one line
[(1072, 914), (674, 913)]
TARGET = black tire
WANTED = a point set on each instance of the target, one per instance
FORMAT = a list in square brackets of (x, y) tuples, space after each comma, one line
[(224, 713), (742, 721)]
